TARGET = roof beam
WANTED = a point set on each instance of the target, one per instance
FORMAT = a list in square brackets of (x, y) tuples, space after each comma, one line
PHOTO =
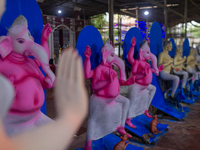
[(151, 7), (127, 12), (164, 7), (194, 4), (133, 14), (78, 5)]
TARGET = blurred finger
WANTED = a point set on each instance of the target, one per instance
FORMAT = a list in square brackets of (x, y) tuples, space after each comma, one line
[(62, 64), (79, 75), (72, 68), (68, 63)]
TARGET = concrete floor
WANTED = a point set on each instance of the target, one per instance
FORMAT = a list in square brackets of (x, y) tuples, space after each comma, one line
[(182, 135)]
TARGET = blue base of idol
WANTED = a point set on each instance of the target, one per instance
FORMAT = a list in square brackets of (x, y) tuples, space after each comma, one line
[(89, 35), (31, 11), (108, 142), (142, 122), (189, 94), (181, 96), (158, 100), (194, 91)]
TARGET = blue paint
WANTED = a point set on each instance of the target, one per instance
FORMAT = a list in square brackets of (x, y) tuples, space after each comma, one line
[(133, 32), (190, 95), (186, 47), (89, 35), (163, 30), (156, 48), (181, 97), (108, 142), (31, 11), (195, 93), (142, 124), (172, 53)]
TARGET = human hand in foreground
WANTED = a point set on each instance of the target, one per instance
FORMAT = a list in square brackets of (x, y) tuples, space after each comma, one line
[(70, 91)]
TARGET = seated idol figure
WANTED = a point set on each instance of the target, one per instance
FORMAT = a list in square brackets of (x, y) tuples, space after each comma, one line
[(167, 62), (142, 91), (107, 108), (179, 62), (71, 103), (191, 63)]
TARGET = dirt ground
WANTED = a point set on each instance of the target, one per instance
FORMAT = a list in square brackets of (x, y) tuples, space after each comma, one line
[(182, 135)]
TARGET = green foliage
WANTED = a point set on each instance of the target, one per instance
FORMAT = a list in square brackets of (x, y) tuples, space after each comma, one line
[(98, 21), (195, 32)]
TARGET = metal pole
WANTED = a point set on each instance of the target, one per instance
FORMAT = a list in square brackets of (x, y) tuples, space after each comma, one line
[(165, 13), (147, 25), (119, 35), (185, 20), (137, 15), (110, 11)]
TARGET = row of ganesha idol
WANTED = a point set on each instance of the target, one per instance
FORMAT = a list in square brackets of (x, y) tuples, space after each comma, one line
[(22, 96), (109, 111)]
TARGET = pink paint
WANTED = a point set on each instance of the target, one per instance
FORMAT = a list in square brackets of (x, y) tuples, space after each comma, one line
[(24, 72), (141, 70), (45, 34), (28, 81), (147, 114), (128, 122), (105, 84), (88, 73)]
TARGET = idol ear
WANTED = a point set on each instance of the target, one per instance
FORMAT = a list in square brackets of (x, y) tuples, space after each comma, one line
[(141, 54), (108, 41), (111, 43), (104, 57), (5, 46)]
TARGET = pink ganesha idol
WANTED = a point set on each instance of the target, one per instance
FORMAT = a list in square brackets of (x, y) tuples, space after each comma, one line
[(107, 109), (25, 76), (142, 91)]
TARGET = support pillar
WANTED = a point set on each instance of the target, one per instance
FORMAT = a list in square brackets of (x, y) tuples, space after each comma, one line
[(110, 11), (119, 33), (185, 19), (51, 45), (147, 25), (137, 25), (165, 14)]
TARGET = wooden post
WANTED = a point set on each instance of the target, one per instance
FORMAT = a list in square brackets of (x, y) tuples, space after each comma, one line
[(165, 13), (185, 19), (110, 11), (137, 15)]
